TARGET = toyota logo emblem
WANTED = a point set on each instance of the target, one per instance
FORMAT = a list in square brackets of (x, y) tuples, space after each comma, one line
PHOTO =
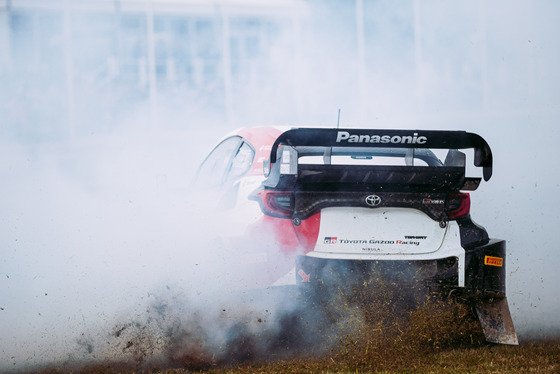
[(373, 200)]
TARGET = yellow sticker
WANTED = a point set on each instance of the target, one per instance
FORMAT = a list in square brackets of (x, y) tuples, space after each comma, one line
[(493, 261)]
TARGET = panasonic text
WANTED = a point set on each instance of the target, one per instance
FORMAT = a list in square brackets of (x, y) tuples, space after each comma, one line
[(383, 139)]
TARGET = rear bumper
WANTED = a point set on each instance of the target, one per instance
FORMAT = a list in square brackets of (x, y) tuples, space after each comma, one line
[(478, 272)]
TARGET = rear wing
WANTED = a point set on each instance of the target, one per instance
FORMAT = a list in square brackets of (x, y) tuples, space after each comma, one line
[(327, 137)]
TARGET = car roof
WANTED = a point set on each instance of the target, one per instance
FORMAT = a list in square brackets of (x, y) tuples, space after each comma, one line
[(262, 135)]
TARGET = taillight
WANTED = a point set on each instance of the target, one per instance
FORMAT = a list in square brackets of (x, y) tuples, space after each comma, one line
[(275, 203), (458, 205)]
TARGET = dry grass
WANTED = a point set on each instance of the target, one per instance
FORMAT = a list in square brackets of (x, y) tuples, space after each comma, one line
[(537, 357), (533, 357), (366, 333)]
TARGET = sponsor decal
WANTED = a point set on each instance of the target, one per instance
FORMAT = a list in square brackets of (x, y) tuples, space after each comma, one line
[(433, 201), (493, 261), (409, 241), (353, 241), (344, 136), (375, 241), (304, 277)]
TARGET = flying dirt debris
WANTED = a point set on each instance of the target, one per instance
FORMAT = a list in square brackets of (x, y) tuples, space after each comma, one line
[(340, 205)]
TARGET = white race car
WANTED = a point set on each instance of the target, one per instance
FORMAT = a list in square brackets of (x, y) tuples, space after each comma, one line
[(339, 204)]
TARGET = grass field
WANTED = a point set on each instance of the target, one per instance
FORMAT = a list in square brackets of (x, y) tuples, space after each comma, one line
[(438, 337), (529, 357), (534, 357)]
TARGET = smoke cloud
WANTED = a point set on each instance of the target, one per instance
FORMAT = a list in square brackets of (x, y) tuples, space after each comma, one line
[(107, 253)]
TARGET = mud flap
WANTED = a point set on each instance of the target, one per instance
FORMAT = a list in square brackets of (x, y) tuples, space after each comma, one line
[(495, 318)]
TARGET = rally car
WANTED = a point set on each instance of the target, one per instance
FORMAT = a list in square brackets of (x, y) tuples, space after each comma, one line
[(315, 205)]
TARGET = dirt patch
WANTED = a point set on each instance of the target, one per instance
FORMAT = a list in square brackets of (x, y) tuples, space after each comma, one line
[(347, 326)]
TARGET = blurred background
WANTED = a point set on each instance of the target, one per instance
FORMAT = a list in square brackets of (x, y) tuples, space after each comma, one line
[(82, 67), (108, 106)]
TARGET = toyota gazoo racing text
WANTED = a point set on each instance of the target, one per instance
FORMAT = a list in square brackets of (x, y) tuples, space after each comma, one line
[(335, 202)]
